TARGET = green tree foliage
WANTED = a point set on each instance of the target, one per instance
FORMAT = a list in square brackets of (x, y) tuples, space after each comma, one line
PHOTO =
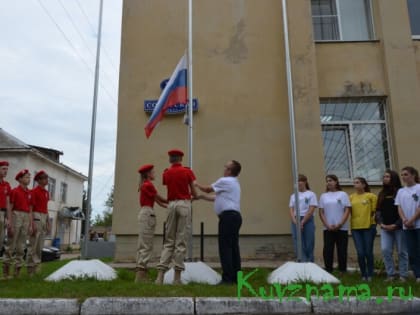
[(105, 219)]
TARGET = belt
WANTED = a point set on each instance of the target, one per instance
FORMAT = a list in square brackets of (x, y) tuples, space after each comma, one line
[(3, 209), (37, 219), (229, 212), (21, 210)]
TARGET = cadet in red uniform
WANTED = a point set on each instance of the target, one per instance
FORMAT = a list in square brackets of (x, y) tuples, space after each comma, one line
[(179, 181), (147, 219), (40, 198), (19, 223), (4, 199)]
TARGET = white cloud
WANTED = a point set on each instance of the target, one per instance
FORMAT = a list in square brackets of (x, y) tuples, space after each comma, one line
[(46, 90)]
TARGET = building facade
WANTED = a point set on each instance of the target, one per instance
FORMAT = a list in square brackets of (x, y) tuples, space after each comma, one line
[(356, 78), (65, 186)]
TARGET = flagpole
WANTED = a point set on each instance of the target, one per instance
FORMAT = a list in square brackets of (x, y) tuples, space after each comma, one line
[(92, 136), (292, 129), (190, 115)]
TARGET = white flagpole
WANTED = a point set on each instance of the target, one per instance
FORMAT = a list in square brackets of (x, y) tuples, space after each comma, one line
[(92, 136), (292, 129), (190, 115)]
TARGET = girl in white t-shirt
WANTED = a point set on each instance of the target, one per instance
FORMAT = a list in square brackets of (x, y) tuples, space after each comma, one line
[(334, 210), (408, 202), (307, 205)]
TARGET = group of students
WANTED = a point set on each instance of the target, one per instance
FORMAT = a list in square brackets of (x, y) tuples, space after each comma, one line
[(23, 217), (396, 209), (182, 187)]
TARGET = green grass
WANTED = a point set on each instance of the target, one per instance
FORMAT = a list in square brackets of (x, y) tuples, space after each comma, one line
[(124, 286)]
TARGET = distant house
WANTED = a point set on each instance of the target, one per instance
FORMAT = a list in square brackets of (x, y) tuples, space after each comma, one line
[(65, 186)]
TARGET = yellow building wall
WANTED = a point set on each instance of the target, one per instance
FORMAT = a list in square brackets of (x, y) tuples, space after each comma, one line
[(240, 82), (416, 45)]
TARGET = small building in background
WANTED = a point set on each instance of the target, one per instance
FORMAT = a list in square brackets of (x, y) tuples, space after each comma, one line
[(65, 186)]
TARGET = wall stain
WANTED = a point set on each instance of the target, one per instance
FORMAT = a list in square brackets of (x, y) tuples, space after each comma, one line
[(237, 50), (361, 88)]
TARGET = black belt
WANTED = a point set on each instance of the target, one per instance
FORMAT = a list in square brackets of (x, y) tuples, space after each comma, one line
[(37, 219), (3, 209), (229, 212)]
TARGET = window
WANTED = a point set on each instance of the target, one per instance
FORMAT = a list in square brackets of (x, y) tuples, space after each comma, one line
[(414, 12), (355, 138), (51, 187), (342, 20), (63, 192)]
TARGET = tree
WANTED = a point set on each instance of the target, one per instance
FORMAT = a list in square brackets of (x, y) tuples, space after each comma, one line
[(106, 218)]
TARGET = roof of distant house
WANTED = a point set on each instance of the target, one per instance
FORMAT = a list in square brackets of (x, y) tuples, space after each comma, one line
[(9, 143)]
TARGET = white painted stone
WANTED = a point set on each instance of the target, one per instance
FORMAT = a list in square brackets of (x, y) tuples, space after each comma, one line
[(77, 269), (301, 272), (197, 272)]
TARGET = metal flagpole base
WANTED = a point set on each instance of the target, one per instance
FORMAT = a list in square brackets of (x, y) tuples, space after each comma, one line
[(300, 272)]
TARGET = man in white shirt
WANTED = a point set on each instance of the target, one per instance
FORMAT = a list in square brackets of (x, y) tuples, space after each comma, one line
[(227, 206)]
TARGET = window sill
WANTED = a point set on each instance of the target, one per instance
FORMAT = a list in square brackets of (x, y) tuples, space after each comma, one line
[(415, 37), (347, 41)]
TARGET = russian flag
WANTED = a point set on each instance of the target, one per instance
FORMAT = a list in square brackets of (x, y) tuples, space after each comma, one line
[(175, 92)]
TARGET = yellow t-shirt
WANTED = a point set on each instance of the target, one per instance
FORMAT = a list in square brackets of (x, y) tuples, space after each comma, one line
[(363, 207)]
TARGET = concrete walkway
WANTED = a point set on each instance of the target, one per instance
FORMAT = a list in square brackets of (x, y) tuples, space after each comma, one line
[(207, 306)]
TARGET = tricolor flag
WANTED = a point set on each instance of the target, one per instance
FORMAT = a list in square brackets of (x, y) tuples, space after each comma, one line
[(175, 92)]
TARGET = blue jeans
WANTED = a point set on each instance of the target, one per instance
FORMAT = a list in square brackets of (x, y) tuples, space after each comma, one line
[(363, 241), (308, 239), (412, 237), (388, 240)]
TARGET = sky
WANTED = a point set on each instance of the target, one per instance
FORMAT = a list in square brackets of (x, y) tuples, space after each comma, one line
[(47, 53)]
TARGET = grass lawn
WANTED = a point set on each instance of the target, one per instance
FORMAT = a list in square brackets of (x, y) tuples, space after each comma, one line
[(124, 286)]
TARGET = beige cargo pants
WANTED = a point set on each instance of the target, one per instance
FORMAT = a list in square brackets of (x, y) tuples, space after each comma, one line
[(36, 241), (20, 223), (147, 225), (176, 234)]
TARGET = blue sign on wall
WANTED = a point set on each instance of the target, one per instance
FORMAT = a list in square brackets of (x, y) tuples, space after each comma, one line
[(149, 106)]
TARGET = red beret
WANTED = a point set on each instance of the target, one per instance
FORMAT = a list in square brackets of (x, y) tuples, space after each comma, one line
[(4, 163), (21, 173), (39, 174), (145, 168), (175, 152)]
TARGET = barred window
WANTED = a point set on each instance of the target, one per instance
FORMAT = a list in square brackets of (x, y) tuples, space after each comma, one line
[(342, 20), (414, 13), (355, 138)]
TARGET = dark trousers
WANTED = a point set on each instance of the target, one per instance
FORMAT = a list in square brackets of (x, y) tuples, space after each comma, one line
[(334, 239), (229, 224), (412, 238)]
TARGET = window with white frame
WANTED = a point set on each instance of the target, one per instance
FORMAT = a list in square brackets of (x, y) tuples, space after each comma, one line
[(63, 192), (414, 13), (342, 20), (355, 138), (51, 187)]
